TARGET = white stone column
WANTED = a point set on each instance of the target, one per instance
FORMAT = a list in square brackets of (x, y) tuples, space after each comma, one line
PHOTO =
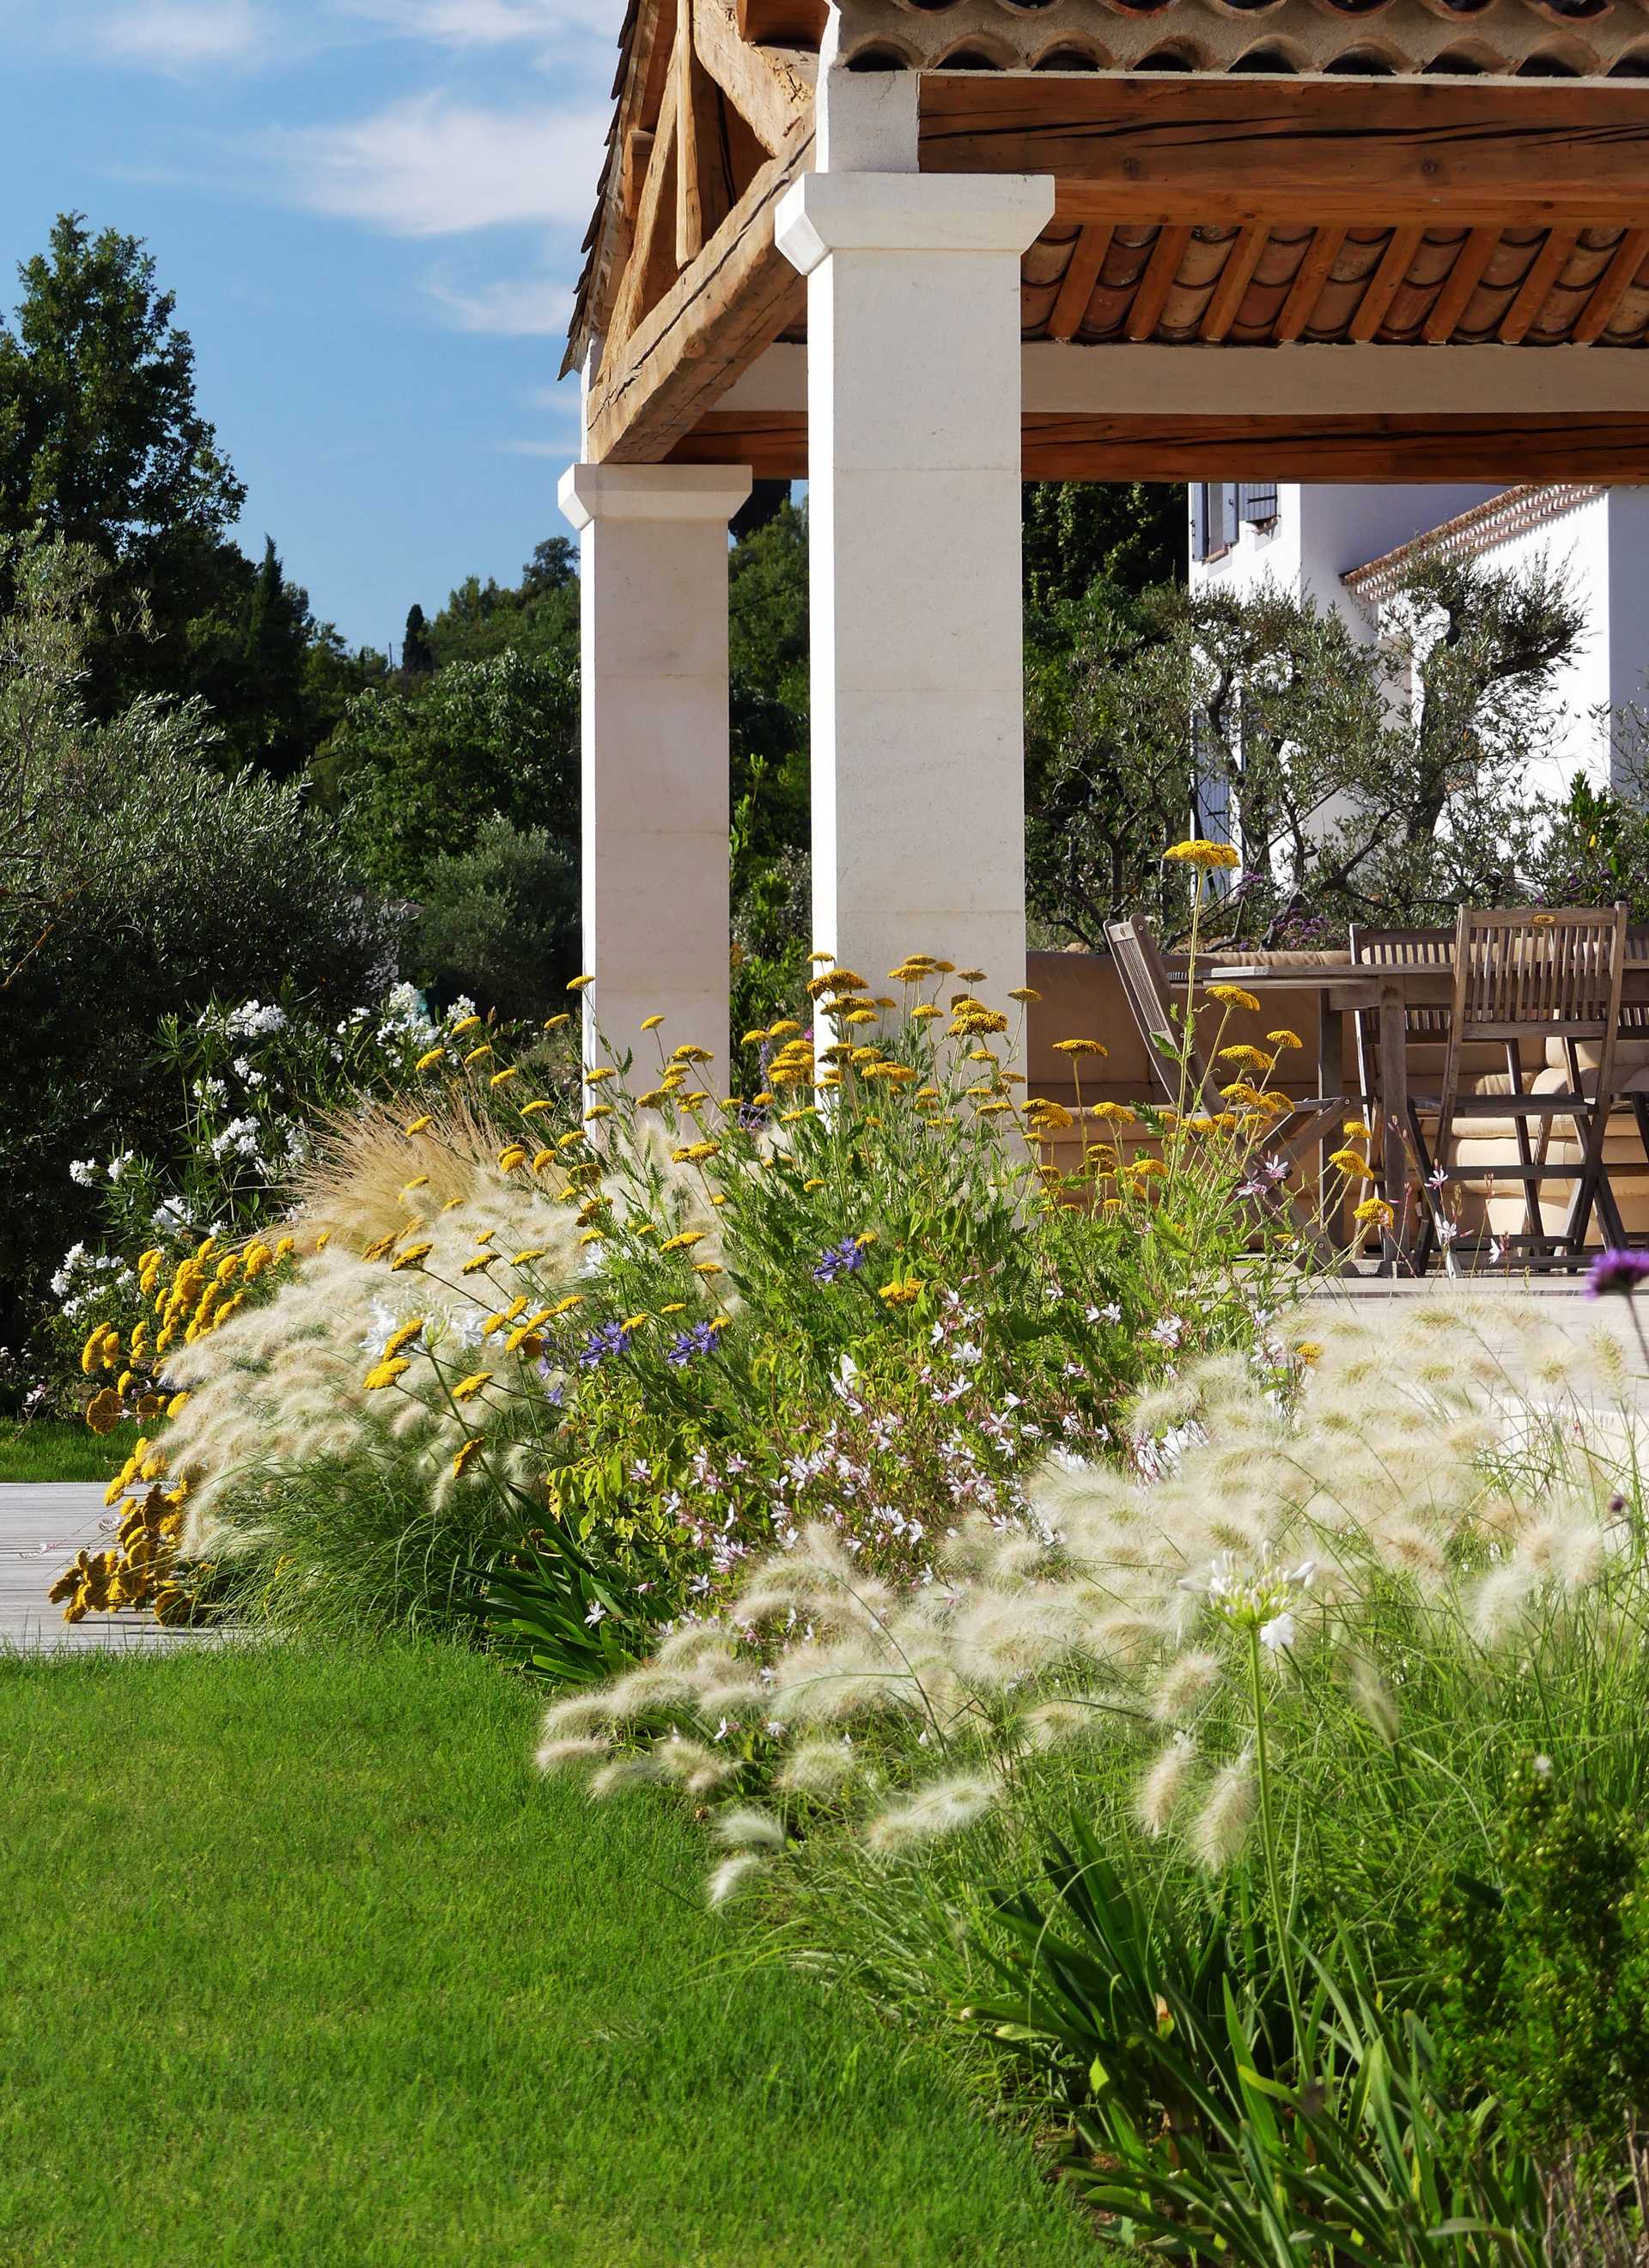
[(913, 414), (653, 578)]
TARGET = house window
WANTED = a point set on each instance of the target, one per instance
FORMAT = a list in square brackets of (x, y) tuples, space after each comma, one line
[(1257, 504), (1213, 519)]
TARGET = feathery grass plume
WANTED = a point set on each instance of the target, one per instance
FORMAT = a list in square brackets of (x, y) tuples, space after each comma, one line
[(1370, 1695), (625, 1772), (732, 1877), (745, 1830), (818, 1768), (556, 1756), (944, 1807), (1221, 1826), (1184, 1685), (578, 1716), (1163, 1788)]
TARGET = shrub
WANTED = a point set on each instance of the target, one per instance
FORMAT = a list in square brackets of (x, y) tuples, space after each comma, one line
[(140, 883), (674, 1328), (499, 921)]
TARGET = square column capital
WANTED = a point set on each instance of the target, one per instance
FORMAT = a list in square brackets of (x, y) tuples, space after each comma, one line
[(824, 213), (588, 493)]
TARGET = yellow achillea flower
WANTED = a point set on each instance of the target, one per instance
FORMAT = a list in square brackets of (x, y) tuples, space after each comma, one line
[(503, 1078), (467, 1455), (1349, 1161), (1308, 1350), (684, 1242), (1255, 1058), (554, 1023), (541, 1103), (989, 1109), (565, 1307), (482, 1260), (674, 1307), (786, 1029), (760, 1101), (542, 1158), (285, 1248), (815, 1183), (419, 1125), (385, 1373), (577, 983), (593, 1236), (427, 1061), (903, 1294), (694, 1153), (1119, 1113), (1285, 1039), (467, 1024), (467, 1388), (533, 1252), (1373, 1212), (971, 1019), (513, 1155), (1146, 1168), (411, 1256), (753, 1038), (477, 1054), (1233, 996), (403, 1338), (708, 1267), (651, 1023), (1358, 1128), (599, 1110), (1026, 992), (602, 1071), (1203, 855), (925, 1013), (494, 1324)]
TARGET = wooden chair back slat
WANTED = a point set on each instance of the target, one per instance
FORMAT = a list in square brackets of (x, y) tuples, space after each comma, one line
[(1535, 973), (1145, 980)]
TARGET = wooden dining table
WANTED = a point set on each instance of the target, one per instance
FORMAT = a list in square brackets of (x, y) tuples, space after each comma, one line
[(1345, 988)]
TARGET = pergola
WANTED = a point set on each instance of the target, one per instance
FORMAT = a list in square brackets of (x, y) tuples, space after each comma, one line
[(917, 250)]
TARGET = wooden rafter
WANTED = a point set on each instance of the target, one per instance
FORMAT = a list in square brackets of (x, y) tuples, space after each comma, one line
[(733, 300), (1384, 285), (1535, 151), (1462, 281), (652, 261), (1535, 289), (1234, 278), (1076, 289), (1157, 282), (1611, 287), (769, 89), (787, 23), (1306, 288)]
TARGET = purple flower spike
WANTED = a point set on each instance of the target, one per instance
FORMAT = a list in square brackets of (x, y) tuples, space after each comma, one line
[(1616, 1271), (611, 1339), (700, 1340), (840, 1260)]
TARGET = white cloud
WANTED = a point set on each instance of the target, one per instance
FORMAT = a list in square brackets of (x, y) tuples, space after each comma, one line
[(178, 35), (521, 308), (495, 23), (429, 166)]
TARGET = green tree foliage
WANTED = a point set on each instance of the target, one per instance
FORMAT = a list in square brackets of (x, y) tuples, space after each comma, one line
[(1378, 782), (136, 881), (539, 616), (418, 766), (417, 655), (499, 921), (1130, 534)]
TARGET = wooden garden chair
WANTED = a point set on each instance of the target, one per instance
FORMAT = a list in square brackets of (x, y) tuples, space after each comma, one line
[(1148, 991), (1519, 975)]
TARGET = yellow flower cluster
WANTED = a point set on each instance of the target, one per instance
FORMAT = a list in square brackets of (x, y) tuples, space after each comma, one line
[(140, 1571)]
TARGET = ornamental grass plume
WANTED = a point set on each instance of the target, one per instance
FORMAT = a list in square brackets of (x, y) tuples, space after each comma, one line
[(1428, 1488)]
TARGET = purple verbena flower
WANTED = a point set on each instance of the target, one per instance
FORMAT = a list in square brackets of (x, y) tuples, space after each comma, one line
[(700, 1340), (840, 1260), (1616, 1271)]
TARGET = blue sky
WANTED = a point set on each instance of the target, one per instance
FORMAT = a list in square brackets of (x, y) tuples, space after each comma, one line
[(371, 213)]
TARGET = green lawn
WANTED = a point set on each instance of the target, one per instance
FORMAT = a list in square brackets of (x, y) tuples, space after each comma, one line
[(55, 1449), (303, 1963)]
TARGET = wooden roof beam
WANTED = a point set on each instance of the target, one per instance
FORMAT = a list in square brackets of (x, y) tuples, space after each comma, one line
[(1167, 148), (731, 301), (785, 23), (772, 93)]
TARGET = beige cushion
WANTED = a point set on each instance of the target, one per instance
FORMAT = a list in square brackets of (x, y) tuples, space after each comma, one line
[(1481, 1058), (1630, 1055)]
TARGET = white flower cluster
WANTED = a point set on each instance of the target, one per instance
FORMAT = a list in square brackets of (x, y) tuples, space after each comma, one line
[(254, 1019), (85, 1280), (241, 1138)]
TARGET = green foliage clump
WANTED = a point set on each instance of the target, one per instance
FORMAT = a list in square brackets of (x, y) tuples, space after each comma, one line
[(499, 921), (417, 767), (139, 883)]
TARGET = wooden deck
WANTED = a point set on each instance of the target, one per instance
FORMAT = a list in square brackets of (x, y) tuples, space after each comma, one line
[(41, 1528)]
